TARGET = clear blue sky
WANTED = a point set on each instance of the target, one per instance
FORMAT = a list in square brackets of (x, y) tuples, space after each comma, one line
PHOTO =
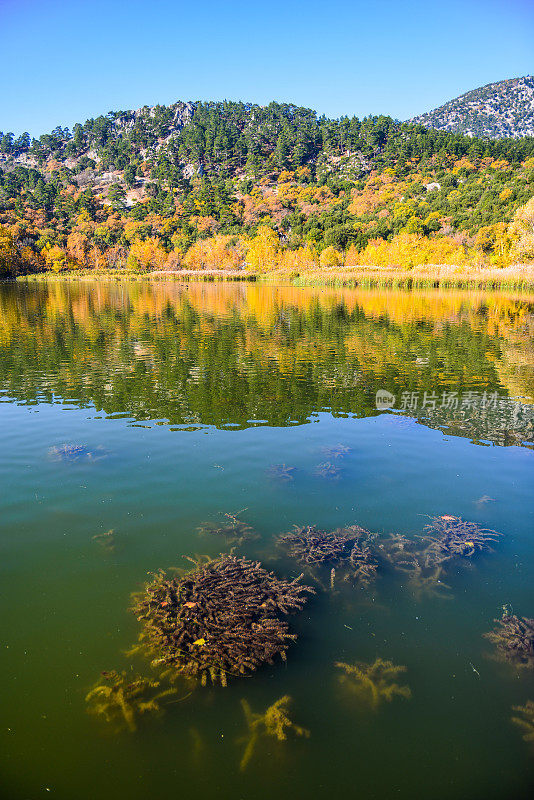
[(66, 60)]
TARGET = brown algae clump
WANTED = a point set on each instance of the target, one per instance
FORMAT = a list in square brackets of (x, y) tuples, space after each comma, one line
[(514, 640), (234, 530), (346, 548), (374, 683), (309, 545), (450, 537), (221, 618), (274, 722), (399, 552), (525, 720), (234, 533), (336, 451), (280, 472), (327, 470), (446, 538), (123, 697)]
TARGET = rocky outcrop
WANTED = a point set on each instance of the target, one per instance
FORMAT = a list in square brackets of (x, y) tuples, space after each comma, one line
[(502, 109)]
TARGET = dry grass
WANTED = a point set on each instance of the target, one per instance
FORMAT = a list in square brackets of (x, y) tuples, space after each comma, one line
[(425, 276), (516, 276), (128, 275)]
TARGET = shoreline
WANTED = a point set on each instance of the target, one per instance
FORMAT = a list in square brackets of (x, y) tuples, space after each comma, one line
[(424, 277)]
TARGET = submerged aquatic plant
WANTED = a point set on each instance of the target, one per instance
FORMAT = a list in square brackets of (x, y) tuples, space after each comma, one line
[(280, 472), (446, 538), (106, 540), (403, 555), (274, 722), (373, 683), (336, 451), (426, 582), (514, 640), (123, 697), (449, 537), (234, 531), (327, 470), (362, 564), (344, 547), (525, 720), (310, 545), (399, 552), (70, 452), (221, 618)]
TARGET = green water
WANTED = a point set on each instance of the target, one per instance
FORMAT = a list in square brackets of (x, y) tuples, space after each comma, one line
[(183, 398)]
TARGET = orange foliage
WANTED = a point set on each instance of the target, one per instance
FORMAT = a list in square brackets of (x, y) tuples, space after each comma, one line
[(409, 249), (218, 252), (146, 254)]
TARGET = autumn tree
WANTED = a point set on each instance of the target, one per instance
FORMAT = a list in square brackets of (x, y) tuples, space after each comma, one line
[(522, 233), (330, 257), (262, 254)]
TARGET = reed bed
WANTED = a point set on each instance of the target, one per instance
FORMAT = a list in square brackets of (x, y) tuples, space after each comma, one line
[(127, 275), (424, 277)]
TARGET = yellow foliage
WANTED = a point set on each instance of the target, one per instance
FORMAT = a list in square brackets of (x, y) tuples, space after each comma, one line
[(463, 163), (263, 250), (56, 259), (521, 231), (410, 249), (301, 259), (147, 254), (217, 252), (8, 252), (286, 176), (330, 257), (493, 241)]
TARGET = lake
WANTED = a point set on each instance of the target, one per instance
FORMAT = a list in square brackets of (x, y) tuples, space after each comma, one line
[(133, 415)]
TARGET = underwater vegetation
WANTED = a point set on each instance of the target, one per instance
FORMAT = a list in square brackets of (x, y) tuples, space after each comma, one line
[(344, 547), (234, 532), (309, 545), (398, 552), (274, 722), (373, 684), (449, 537), (106, 540), (360, 555), (123, 697), (327, 470), (403, 555), (525, 720), (446, 538), (197, 746), (514, 640), (336, 451), (426, 582), (221, 618), (70, 453), (226, 617), (363, 565), (280, 472)]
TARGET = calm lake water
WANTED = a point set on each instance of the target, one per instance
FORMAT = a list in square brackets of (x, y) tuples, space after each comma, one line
[(151, 409)]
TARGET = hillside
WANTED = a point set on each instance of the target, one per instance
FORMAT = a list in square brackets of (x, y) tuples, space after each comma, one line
[(505, 108), (230, 184)]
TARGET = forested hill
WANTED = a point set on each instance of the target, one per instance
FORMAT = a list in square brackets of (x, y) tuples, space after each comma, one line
[(148, 186), (505, 108)]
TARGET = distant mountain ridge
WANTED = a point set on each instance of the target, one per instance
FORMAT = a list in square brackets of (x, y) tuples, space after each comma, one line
[(502, 109), (201, 183)]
